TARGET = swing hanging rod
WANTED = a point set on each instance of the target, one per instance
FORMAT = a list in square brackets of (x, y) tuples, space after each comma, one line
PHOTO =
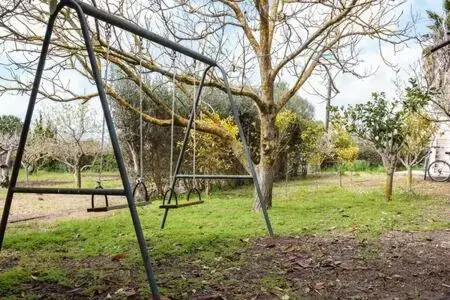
[(133, 28)]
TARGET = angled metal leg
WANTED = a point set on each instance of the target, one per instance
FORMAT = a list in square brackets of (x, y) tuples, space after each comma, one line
[(115, 143), (251, 166), (185, 141), (26, 124)]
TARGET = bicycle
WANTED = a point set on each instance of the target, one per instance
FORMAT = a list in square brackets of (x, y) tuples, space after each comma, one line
[(439, 170)]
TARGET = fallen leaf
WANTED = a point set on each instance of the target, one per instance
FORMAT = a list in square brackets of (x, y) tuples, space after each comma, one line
[(290, 248), (118, 257), (304, 263), (126, 292), (319, 285)]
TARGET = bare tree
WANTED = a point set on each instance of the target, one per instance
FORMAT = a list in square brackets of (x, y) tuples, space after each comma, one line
[(74, 144), (10, 127), (265, 42)]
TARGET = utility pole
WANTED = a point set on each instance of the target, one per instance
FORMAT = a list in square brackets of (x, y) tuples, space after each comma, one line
[(328, 104)]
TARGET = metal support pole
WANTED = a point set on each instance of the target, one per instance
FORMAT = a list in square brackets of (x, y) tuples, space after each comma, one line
[(115, 143), (27, 123), (139, 31), (185, 141), (251, 166)]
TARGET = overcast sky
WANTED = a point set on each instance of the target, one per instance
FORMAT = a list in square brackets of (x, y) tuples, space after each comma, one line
[(352, 90)]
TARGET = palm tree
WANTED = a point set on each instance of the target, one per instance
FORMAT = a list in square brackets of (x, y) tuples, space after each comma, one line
[(437, 65), (440, 24)]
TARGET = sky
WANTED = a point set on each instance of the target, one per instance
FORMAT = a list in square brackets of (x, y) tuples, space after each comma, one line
[(352, 90)]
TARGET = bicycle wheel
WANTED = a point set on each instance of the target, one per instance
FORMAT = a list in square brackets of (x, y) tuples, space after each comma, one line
[(439, 171)]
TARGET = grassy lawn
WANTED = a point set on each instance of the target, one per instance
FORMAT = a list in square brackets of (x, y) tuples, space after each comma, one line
[(64, 253)]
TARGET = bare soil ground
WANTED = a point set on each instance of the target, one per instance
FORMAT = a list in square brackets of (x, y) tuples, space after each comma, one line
[(405, 266)]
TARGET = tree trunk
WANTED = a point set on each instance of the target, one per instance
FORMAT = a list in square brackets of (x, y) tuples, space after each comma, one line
[(4, 171), (389, 184), (409, 178), (27, 174), (340, 178), (265, 169), (77, 174), (389, 163), (265, 178), (208, 188), (134, 158)]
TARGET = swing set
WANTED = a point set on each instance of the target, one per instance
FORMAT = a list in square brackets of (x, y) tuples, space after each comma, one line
[(83, 10)]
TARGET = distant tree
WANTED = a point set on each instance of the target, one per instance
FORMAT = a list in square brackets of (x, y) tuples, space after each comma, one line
[(298, 141), (10, 128), (418, 128), (74, 144), (316, 145), (212, 155), (419, 131), (346, 150), (35, 153), (379, 122), (288, 125)]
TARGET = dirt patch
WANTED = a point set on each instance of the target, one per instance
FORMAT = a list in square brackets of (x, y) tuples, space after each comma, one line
[(8, 260), (398, 266)]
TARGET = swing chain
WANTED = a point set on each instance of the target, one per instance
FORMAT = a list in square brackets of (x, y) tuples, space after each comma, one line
[(102, 146), (172, 123), (141, 119), (194, 135)]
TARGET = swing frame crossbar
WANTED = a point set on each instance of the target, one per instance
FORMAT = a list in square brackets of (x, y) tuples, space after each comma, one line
[(83, 10)]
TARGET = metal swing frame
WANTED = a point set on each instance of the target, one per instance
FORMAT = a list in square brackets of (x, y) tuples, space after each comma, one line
[(83, 10)]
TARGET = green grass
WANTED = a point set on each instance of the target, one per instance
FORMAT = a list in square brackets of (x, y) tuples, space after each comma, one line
[(215, 228)]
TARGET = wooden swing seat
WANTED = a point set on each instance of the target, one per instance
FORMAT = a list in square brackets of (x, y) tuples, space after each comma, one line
[(113, 207), (184, 204)]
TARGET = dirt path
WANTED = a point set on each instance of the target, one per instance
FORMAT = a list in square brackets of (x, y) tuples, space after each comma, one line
[(54, 207)]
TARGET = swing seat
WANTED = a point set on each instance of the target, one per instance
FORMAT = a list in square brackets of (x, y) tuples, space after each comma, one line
[(179, 205), (184, 204), (107, 207), (113, 207)]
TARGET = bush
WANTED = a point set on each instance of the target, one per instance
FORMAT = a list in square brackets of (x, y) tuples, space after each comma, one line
[(368, 153), (358, 166)]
